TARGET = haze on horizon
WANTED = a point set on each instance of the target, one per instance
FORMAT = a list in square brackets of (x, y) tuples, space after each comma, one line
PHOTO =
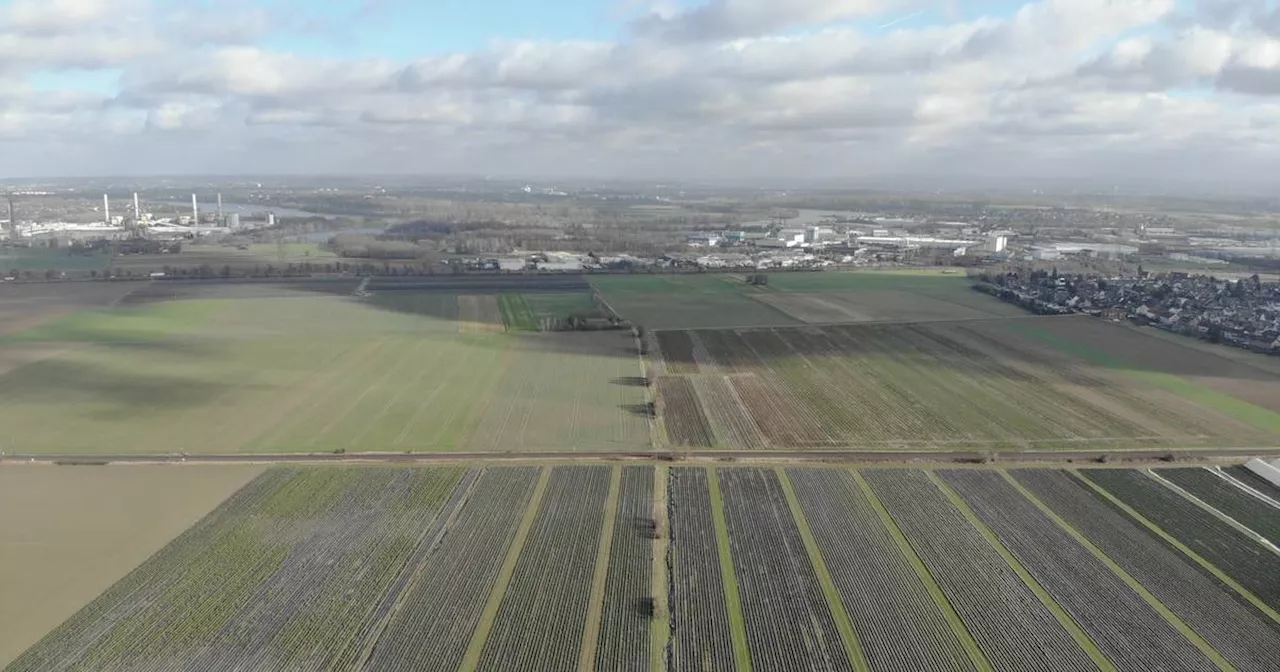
[(1109, 90)]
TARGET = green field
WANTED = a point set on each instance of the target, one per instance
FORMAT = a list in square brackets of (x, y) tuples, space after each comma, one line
[(310, 372), (717, 300)]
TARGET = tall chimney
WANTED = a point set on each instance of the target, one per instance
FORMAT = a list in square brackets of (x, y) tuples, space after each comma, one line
[(137, 212), (13, 223), (195, 211), (219, 209), (106, 209)]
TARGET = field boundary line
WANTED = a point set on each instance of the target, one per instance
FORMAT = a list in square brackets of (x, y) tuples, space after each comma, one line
[(1256, 494), (368, 640), (1212, 510), (1171, 540), (807, 325), (1068, 623), (660, 627), (591, 629), (949, 612), (732, 597), (471, 659), (852, 645), (1168, 615)]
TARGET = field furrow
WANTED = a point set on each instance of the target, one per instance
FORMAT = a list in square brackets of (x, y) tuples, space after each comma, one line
[(899, 625), (540, 623), (788, 623), (700, 630), (1015, 630), (623, 644), (1125, 627), (1244, 636)]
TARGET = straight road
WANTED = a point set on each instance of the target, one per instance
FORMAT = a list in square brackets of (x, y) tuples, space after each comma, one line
[(971, 457)]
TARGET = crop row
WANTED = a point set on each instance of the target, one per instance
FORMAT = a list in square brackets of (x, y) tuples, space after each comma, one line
[(1246, 561), (284, 582), (726, 414), (677, 351), (789, 625), (920, 384), (900, 627), (700, 630), (1013, 627), (1246, 476), (1123, 625), (1233, 628), (682, 414), (623, 643), (1230, 499), (431, 626), (541, 620)]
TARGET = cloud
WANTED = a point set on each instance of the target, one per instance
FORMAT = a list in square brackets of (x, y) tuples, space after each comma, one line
[(728, 88), (727, 19)]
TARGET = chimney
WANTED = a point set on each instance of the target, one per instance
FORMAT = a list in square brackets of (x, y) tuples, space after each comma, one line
[(106, 210), (195, 211), (137, 212), (220, 220)]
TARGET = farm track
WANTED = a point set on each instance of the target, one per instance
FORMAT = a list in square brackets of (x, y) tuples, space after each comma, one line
[(700, 630), (899, 625), (788, 623), (1012, 626), (540, 623), (1125, 627), (1248, 639)]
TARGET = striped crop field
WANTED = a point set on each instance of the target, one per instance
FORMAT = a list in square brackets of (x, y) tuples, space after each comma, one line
[(994, 384), (646, 568)]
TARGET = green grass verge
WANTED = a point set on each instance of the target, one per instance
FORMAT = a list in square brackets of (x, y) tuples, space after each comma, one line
[(1133, 583), (559, 306), (843, 623), (471, 661), (591, 630), (1173, 541), (732, 595), (660, 626), (1256, 416), (935, 591), (1083, 640)]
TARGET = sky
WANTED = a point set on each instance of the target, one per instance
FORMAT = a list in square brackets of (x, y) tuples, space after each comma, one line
[(1186, 91)]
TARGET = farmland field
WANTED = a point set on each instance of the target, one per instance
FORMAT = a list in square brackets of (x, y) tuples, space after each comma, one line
[(68, 534), (475, 567), (991, 384), (279, 367)]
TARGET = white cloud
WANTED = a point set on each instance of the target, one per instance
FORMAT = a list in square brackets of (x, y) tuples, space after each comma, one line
[(727, 88)]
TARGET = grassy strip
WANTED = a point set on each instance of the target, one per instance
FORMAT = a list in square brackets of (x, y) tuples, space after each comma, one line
[(591, 632), (940, 598), (516, 313), (1217, 573), (843, 623), (732, 598), (1256, 416), (660, 627), (1133, 583), (1104, 664), (471, 660)]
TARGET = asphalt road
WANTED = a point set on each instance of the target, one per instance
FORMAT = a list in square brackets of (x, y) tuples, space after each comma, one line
[(675, 456)]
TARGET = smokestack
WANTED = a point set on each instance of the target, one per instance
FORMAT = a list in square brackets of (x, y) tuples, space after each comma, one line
[(195, 211), (137, 212), (106, 209), (220, 220), (13, 223)]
